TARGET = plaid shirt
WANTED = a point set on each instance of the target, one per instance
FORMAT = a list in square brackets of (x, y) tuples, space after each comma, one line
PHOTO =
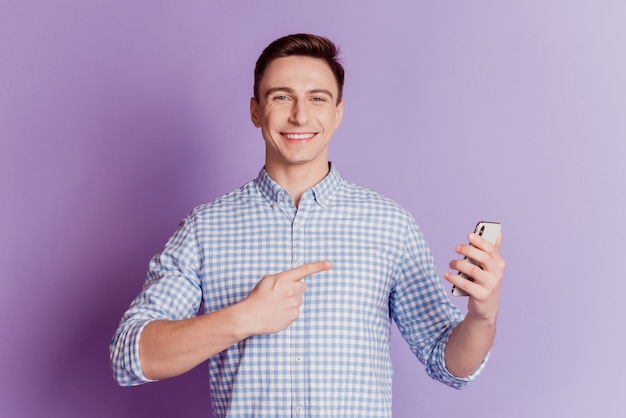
[(334, 360)]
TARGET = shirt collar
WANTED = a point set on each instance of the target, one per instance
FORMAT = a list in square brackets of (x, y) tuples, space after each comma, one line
[(322, 191)]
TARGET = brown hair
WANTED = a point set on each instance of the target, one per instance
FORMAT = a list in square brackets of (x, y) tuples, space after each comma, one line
[(302, 44)]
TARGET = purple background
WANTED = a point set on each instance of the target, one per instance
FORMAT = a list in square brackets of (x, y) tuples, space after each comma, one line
[(118, 117)]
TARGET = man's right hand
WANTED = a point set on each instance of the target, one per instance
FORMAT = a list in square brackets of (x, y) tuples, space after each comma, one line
[(275, 301)]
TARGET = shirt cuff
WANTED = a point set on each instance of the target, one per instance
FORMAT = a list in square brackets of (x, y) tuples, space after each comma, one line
[(461, 382), (124, 352)]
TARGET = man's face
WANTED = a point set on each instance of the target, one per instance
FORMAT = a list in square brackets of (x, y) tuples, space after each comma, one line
[(297, 111)]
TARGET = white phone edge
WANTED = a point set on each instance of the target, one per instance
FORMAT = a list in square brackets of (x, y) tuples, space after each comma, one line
[(489, 231)]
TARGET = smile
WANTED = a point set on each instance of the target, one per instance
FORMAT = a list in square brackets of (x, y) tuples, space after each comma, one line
[(308, 135)]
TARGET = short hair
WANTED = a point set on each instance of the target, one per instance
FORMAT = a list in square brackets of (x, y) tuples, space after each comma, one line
[(301, 44)]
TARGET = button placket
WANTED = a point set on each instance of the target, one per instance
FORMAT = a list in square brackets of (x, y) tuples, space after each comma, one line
[(298, 228)]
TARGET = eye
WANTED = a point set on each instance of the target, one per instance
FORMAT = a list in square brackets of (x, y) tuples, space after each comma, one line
[(281, 98), (318, 99)]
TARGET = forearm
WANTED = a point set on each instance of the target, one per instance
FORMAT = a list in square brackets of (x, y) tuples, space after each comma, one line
[(171, 348), (469, 344), (471, 340)]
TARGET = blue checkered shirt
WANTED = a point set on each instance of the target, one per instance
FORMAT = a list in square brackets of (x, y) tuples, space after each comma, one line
[(334, 360)]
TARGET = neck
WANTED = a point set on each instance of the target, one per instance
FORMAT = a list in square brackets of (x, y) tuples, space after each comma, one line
[(297, 179)]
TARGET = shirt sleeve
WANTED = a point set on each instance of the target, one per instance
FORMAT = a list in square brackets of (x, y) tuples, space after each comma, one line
[(421, 309), (171, 291)]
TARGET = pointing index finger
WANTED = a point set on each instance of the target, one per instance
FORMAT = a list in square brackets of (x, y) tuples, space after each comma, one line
[(305, 270)]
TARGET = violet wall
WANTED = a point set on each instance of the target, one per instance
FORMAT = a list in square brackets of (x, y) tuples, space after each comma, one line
[(118, 117)]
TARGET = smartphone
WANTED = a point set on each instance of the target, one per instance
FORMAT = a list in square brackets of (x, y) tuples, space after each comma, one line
[(489, 231)]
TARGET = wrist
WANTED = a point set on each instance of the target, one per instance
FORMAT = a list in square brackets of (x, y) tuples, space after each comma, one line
[(487, 319), (235, 321)]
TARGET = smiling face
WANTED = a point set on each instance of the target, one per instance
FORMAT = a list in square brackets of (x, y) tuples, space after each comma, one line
[(297, 112)]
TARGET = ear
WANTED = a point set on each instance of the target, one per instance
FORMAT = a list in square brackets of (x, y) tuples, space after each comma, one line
[(339, 114), (254, 112)]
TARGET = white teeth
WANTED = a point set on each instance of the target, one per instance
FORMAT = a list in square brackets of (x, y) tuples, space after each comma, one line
[(298, 136)]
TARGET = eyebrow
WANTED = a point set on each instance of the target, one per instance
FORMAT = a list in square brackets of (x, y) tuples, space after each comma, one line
[(290, 90)]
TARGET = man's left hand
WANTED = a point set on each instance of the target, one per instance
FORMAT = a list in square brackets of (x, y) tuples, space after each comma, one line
[(484, 291)]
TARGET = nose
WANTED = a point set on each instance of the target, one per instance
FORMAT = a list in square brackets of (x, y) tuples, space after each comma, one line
[(298, 114)]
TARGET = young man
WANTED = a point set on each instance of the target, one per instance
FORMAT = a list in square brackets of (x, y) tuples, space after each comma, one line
[(302, 272)]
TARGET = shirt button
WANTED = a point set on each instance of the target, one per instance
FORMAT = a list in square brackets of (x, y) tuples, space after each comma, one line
[(299, 410), (297, 225), (298, 359), (297, 263)]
